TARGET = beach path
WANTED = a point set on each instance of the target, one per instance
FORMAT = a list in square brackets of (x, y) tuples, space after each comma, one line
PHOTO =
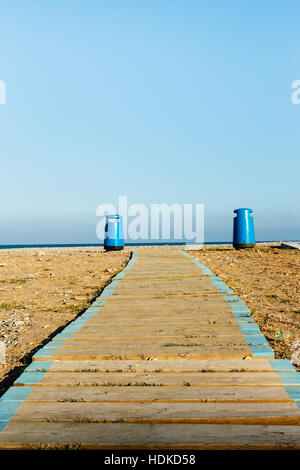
[(167, 357)]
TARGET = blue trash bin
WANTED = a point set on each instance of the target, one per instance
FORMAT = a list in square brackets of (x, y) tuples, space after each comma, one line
[(114, 238), (243, 229)]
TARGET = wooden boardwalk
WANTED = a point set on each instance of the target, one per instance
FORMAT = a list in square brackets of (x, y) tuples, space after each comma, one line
[(167, 357)]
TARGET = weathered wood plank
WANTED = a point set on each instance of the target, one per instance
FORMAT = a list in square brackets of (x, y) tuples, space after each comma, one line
[(179, 394), (214, 413), (140, 342), (172, 331), (215, 379), (182, 286), (259, 365), (130, 435), (216, 352)]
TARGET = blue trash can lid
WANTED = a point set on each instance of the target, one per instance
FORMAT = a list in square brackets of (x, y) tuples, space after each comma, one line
[(242, 209), (113, 216)]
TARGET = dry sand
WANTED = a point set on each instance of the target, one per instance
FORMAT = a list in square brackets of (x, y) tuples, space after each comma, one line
[(44, 289)]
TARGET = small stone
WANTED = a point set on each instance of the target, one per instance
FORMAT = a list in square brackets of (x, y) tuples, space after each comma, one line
[(296, 344), (276, 316), (295, 359)]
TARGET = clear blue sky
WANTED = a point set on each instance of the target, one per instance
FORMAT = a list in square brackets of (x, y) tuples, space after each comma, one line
[(161, 100)]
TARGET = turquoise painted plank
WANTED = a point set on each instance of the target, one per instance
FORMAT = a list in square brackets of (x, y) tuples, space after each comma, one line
[(252, 332), (98, 302), (256, 340), (246, 320), (238, 307), (289, 378), (282, 365), (114, 282), (10, 402), (61, 336), (106, 295), (30, 378), (119, 276), (74, 328), (93, 309), (46, 352), (261, 350), (242, 313), (54, 344), (235, 303), (202, 266), (294, 393), (16, 394), (87, 316), (3, 424), (254, 327), (38, 366), (221, 286)]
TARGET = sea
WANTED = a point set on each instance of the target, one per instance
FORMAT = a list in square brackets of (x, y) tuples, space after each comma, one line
[(70, 245)]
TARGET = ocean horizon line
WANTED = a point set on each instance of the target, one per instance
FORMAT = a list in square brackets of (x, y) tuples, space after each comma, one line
[(160, 243)]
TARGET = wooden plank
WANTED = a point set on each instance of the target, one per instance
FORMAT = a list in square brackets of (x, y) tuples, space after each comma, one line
[(141, 343), (132, 379), (165, 287), (179, 394), (146, 313), (212, 352), (157, 317), (142, 331), (175, 276), (214, 413), (201, 329), (149, 307), (150, 436), (260, 365), (291, 245), (203, 302), (135, 324), (116, 297), (116, 335)]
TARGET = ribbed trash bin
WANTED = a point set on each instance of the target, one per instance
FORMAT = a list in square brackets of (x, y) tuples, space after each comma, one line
[(114, 238), (243, 229)]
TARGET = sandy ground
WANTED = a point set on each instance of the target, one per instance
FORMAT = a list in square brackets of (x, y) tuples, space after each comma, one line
[(267, 279), (44, 289)]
